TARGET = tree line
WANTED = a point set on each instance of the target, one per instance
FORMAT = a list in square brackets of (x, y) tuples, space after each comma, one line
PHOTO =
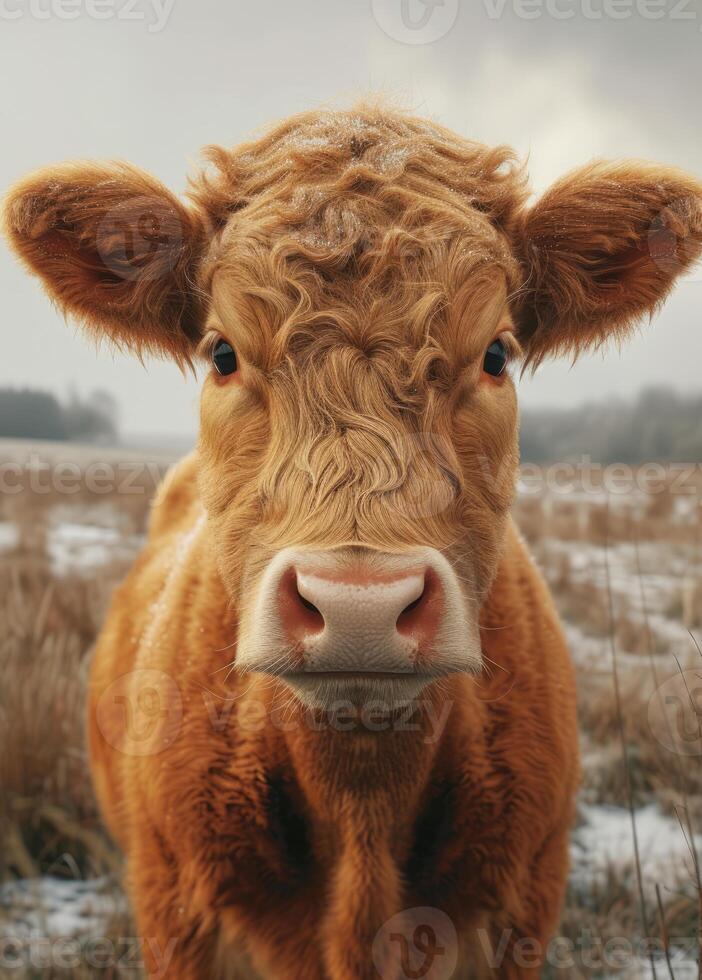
[(27, 413), (658, 425)]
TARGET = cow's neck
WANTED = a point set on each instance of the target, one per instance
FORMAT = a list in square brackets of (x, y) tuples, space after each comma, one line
[(355, 785), (340, 756), (362, 795)]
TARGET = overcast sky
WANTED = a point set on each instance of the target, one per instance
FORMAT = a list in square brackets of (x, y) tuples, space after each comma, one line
[(602, 78)]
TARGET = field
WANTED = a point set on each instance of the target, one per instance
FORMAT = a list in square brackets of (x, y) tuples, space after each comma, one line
[(621, 549)]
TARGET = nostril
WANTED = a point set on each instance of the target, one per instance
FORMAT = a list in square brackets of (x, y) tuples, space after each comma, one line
[(411, 616), (412, 605), (307, 604), (420, 617), (299, 615)]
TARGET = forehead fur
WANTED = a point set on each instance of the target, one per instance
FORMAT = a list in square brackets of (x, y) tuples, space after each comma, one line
[(355, 217), (315, 159)]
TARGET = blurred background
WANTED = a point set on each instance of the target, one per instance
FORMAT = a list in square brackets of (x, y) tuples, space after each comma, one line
[(153, 81), (610, 494)]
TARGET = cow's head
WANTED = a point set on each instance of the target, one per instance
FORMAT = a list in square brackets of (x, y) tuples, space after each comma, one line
[(362, 286)]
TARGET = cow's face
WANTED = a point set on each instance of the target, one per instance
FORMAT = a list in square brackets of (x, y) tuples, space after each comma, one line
[(360, 286), (359, 425)]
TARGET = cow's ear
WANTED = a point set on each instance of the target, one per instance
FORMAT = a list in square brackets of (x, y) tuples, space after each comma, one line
[(114, 248), (602, 248)]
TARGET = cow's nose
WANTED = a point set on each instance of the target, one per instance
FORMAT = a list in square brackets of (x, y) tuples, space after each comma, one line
[(362, 617), (358, 610)]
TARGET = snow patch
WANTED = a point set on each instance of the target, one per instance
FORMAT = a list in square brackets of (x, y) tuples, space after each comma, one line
[(9, 536), (74, 547), (605, 841), (55, 908)]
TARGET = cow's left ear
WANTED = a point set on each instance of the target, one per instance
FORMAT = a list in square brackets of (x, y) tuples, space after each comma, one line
[(601, 249), (114, 248)]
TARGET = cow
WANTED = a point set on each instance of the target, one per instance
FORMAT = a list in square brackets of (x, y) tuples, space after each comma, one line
[(332, 716)]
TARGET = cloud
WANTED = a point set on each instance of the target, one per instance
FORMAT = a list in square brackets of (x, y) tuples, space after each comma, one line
[(547, 109), (560, 91)]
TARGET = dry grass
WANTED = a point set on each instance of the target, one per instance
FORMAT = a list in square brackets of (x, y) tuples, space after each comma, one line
[(643, 616), (47, 632), (49, 824), (49, 621)]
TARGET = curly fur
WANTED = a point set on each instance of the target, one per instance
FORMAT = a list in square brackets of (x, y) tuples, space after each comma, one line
[(603, 248), (360, 263), (114, 248)]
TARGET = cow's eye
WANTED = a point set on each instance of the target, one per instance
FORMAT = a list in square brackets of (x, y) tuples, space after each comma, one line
[(496, 358), (223, 357)]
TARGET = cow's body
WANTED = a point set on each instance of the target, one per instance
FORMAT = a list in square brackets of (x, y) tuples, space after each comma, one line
[(358, 283), (298, 845)]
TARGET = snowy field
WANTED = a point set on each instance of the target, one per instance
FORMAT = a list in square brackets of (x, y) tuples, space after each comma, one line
[(626, 571)]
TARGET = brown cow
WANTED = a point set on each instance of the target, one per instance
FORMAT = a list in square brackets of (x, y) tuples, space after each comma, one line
[(334, 689)]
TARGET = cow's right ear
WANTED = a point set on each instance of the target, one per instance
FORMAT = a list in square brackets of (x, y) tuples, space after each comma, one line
[(115, 249), (603, 248)]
